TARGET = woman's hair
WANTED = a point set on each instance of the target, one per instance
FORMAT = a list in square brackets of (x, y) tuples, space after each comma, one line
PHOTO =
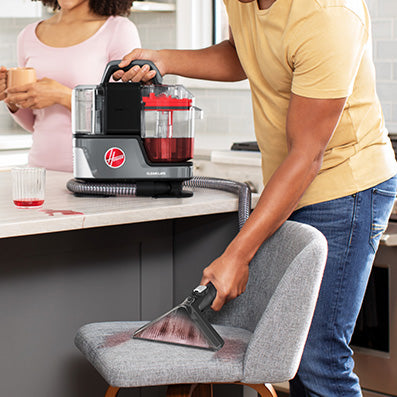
[(99, 7)]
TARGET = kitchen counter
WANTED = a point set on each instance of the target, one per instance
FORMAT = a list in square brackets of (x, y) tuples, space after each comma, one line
[(63, 211)]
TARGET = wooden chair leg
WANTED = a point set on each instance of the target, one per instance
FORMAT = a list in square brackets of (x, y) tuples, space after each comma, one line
[(265, 390), (112, 391), (203, 390), (180, 390), (190, 390)]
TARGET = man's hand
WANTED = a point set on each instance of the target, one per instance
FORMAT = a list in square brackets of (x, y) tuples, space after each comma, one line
[(137, 73), (229, 276), (45, 92)]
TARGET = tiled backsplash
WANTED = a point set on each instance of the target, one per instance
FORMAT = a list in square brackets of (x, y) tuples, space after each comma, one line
[(229, 111)]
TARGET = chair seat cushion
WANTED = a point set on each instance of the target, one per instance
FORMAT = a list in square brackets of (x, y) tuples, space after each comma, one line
[(127, 362)]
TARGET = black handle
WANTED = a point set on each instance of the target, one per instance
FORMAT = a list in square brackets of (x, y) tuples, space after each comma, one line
[(113, 66), (205, 295)]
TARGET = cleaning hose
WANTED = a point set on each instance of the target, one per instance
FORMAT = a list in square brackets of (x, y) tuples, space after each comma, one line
[(241, 189), (132, 189)]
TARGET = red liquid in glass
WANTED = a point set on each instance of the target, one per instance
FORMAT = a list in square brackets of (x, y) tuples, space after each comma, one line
[(28, 203), (169, 149)]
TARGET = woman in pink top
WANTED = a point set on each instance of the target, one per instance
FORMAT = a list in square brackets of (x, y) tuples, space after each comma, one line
[(70, 48)]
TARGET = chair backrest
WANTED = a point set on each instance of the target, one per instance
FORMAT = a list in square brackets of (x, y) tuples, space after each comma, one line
[(279, 301)]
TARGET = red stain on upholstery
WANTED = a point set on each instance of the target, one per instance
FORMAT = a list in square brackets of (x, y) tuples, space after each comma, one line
[(231, 349), (117, 339)]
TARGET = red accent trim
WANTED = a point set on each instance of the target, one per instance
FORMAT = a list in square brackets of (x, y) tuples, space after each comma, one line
[(166, 101)]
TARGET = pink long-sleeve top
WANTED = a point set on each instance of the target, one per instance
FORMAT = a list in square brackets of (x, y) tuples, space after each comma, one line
[(83, 63)]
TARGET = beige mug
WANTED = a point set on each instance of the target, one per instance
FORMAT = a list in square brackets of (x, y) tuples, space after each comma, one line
[(20, 76)]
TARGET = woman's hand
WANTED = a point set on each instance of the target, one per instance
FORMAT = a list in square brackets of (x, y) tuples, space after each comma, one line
[(3, 89), (3, 83), (229, 276), (137, 73), (45, 92)]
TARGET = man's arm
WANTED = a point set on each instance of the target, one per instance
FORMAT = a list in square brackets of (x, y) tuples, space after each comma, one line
[(218, 62), (310, 125)]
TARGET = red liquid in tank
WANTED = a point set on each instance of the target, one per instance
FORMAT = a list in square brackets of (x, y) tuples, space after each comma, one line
[(29, 203), (169, 149)]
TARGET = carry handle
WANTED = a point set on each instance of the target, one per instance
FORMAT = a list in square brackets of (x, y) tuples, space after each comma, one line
[(113, 66), (205, 295)]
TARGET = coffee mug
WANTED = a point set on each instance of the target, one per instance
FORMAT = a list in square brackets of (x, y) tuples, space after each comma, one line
[(20, 76)]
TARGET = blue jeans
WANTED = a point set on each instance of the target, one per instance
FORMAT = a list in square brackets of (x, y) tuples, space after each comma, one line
[(352, 226)]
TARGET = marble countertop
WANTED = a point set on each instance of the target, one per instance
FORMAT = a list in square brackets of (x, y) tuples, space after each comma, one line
[(63, 211)]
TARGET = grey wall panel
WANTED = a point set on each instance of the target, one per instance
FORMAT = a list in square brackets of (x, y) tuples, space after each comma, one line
[(157, 271), (197, 242)]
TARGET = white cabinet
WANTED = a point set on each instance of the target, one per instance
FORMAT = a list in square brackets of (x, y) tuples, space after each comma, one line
[(20, 9), (152, 6), (14, 149)]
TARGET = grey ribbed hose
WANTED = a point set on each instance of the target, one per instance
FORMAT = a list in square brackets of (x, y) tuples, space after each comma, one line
[(108, 189), (241, 189), (129, 189)]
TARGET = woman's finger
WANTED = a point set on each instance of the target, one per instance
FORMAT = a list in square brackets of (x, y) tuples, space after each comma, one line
[(19, 88), (16, 98)]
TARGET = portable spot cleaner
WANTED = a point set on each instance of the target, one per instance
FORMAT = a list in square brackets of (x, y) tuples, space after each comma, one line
[(132, 132)]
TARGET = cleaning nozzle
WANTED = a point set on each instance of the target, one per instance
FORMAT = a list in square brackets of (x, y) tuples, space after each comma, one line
[(185, 324)]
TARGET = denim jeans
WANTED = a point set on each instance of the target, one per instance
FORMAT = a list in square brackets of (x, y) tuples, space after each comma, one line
[(352, 226)]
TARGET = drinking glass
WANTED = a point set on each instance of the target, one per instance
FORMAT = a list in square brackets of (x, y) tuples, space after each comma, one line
[(28, 186)]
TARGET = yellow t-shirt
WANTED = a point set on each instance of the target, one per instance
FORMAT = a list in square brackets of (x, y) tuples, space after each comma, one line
[(315, 49)]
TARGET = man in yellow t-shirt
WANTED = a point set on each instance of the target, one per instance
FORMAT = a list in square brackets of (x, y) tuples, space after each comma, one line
[(326, 156)]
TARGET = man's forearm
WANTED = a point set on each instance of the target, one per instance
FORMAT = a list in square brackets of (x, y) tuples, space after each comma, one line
[(278, 200), (218, 62)]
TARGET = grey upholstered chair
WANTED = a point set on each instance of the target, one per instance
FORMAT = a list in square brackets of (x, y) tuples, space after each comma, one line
[(264, 329)]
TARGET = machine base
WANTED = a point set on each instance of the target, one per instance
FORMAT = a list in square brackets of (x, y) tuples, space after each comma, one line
[(145, 188)]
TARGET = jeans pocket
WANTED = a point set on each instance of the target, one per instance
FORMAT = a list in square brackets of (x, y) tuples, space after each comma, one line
[(382, 204)]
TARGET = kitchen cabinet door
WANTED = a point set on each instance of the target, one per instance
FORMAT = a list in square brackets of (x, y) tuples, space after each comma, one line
[(20, 9)]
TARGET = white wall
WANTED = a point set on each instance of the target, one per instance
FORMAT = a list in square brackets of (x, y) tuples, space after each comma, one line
[(384, 32)]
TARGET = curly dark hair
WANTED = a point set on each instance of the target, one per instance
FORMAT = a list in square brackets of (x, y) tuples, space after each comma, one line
[(99, 7)]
